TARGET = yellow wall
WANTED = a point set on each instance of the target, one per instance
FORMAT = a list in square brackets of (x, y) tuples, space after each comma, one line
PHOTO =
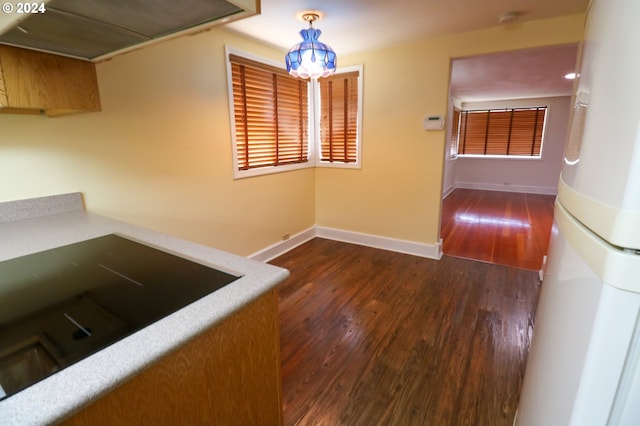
[(397, 192), (159, 154)]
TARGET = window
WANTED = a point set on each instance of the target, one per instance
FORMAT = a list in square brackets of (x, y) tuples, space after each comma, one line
[(502, 132), (455, 132), (339, 118), (283, 123), (270, 113)]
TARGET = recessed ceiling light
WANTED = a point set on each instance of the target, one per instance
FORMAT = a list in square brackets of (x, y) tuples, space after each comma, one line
[(570, 76), (508, 17)]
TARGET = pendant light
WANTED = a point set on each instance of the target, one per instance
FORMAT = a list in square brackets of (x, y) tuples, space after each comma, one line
[(311, 58)]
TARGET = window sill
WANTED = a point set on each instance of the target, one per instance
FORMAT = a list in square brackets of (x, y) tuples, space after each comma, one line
[(328, 165), (498, 157), (261, 171)]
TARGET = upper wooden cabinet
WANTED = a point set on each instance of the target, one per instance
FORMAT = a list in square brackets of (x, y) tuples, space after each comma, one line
[(32, 81)]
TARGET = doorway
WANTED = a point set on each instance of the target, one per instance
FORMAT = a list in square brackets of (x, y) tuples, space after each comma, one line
[(500, 209)]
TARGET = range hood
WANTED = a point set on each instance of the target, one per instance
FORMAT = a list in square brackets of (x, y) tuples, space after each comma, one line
[(95, 30)]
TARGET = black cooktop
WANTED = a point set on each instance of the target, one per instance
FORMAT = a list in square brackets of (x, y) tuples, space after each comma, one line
[(61, 305)]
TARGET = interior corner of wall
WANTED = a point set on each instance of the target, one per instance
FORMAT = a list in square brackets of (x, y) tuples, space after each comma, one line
[(439, 248)]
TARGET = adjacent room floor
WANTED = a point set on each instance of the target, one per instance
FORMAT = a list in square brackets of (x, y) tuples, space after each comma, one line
[(373, 337), (505, 228)]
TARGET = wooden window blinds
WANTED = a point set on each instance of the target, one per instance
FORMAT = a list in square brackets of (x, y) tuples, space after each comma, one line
[(455, 132), (511, 132), (271, 111), (339, 118)]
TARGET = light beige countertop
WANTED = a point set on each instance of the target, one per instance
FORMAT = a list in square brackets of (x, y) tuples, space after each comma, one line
[(30, 226)]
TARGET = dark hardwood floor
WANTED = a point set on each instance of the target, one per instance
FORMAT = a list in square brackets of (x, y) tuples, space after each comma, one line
[(505, 228), (373, 337)]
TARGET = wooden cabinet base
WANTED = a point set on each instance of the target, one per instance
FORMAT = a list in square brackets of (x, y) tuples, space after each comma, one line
[(230, 375)]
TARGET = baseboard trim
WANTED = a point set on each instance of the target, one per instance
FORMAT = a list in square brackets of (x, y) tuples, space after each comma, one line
[(448, 190), (430, 251), (282, 247), (508, 188)]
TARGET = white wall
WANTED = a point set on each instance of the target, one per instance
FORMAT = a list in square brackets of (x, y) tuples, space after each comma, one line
[(516, 174), (450, 163)]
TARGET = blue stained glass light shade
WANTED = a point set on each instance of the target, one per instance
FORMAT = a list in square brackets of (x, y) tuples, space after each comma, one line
[(311, 58)]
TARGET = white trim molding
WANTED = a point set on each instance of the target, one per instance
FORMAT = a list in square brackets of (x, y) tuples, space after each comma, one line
[(282, 247), (430, 251), (507, 188), (447, 191)]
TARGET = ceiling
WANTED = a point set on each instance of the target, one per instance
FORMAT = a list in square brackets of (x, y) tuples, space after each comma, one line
[(531, 73), (360, 25)]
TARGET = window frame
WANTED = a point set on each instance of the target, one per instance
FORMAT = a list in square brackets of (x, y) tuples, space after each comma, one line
[(313, 120), (518, 104), (264, 170), (454, 136), (317, 110)]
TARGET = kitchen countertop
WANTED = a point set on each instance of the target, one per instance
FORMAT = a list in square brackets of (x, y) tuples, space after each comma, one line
[(30, 226)]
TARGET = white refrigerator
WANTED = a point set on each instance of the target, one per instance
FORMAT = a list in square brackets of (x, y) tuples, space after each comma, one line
[(584, 363)]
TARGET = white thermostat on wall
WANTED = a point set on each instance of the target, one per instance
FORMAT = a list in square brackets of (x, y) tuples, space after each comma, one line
[(433, 122)]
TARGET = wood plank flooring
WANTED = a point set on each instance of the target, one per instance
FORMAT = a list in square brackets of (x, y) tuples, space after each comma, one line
[(505, 228), (373, 337)]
